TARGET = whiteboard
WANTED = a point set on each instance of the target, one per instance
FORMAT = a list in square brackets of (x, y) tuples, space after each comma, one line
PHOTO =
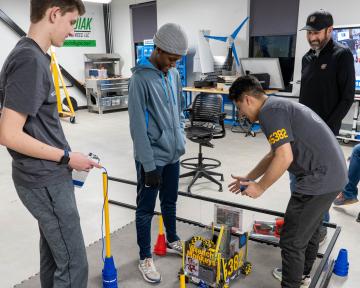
[(264, 65), (203, 59)]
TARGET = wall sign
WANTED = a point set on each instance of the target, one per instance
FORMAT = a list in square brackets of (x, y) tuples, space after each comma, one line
[(84, 35)]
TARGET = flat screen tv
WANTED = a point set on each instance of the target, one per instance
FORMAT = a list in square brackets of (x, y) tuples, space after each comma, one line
[(264, 65), (350, 37)]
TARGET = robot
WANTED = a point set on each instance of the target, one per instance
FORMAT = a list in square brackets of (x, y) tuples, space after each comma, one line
[(216, 258)]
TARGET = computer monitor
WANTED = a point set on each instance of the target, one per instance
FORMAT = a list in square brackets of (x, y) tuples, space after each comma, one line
[(350, 37), (218, 65), (264, 65)]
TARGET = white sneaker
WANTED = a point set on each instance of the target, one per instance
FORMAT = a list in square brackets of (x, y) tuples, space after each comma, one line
[(277, 273), (175, 247), (305, 280), (148, 271)]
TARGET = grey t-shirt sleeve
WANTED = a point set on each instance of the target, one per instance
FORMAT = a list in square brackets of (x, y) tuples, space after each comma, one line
[(25, 88), (276, 126)]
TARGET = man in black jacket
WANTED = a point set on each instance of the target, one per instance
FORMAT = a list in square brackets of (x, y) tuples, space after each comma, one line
[(328, 73)]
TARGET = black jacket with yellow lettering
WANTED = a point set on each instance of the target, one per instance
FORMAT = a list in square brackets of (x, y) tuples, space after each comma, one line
[(328, 83)]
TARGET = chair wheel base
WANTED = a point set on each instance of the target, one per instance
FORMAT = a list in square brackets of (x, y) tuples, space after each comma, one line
[(201, 167)]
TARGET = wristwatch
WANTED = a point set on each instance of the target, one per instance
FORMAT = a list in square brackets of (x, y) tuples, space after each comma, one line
[(65, 159)]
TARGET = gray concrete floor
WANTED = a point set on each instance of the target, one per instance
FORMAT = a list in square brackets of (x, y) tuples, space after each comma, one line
[(108, 137)]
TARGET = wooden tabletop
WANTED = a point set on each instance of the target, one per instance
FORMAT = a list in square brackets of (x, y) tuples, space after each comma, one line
[(216, 90)]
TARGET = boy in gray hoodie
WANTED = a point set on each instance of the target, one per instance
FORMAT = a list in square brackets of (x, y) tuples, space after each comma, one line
[(157, 129)]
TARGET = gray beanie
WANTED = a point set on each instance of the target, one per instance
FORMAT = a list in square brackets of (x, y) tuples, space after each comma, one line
[(172, 39)]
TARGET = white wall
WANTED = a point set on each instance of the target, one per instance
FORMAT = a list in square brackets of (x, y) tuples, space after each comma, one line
[(71, 58), (122, 33), (19, 12), (221, 18), (343, 15)]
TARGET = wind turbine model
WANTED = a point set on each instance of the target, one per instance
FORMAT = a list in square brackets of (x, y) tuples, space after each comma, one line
[(231, 45)]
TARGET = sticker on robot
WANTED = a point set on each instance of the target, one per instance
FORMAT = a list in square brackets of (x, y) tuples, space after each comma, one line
[(192, 266)]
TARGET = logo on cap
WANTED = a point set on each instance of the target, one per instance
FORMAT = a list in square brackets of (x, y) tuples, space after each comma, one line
[(318, 20)]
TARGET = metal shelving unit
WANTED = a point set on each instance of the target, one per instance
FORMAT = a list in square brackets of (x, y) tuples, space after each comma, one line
[(352, 135), (106, 90)]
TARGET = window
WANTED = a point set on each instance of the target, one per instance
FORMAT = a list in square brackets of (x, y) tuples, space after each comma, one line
[(280, 46), (273, 35)]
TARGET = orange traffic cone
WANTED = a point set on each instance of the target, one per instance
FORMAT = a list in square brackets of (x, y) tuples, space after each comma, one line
[(160, 246)]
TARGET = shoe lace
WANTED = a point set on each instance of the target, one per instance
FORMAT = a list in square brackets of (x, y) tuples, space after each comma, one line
[(340, 196), (177, 245), (148, 265)]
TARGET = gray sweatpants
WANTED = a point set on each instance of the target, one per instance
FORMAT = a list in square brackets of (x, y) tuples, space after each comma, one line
[(63, 261)]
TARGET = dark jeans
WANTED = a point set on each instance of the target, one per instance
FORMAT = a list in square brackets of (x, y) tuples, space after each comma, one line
[(293, 189), (299, 241), (146, 199), (63, 262), (351, 190)]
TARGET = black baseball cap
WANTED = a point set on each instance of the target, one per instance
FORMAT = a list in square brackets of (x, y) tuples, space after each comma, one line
[(318, 20)]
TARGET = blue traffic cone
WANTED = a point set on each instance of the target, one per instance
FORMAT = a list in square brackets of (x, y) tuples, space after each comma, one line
[(341, 267), (109, 273)]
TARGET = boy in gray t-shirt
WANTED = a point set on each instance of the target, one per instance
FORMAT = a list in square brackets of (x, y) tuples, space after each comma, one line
[(42, 160), (302, 144)]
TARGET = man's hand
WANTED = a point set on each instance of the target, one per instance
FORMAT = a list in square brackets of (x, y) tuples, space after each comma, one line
[(253, 189), (235, 186), (153, 179), (81, 162)]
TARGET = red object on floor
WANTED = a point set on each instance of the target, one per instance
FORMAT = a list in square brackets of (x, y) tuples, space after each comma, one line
[(160, 246)]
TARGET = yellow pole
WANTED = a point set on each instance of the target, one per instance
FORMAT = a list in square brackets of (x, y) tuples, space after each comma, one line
[(183, 258), (246, 247), (66, 92), (161, 229), (182, 281), (56, 81), (218, 269), (106, 211), (219, 239), (57, 74)]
